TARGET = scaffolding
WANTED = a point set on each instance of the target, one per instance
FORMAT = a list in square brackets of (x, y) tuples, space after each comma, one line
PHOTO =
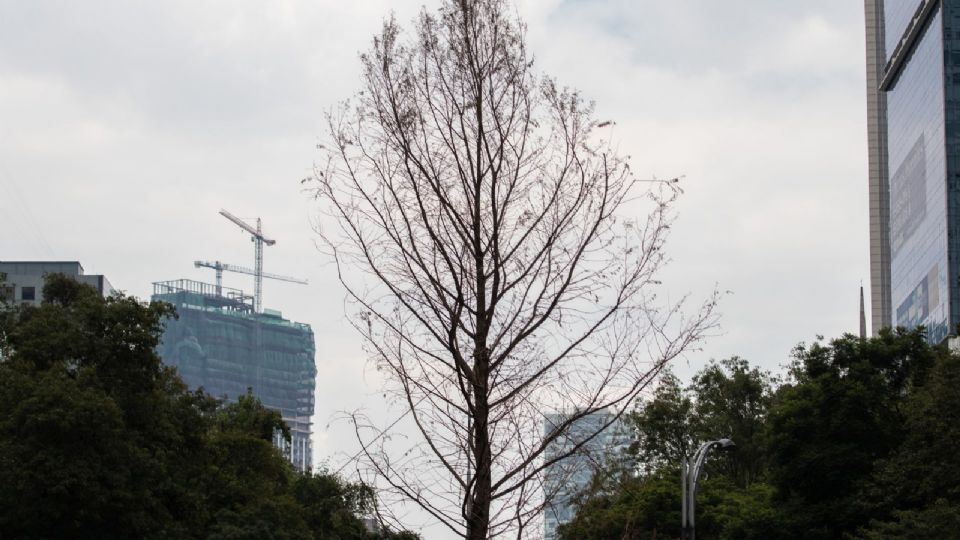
[(221, 344)]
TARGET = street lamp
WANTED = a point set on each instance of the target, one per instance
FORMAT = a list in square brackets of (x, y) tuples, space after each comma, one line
[(690, 471)]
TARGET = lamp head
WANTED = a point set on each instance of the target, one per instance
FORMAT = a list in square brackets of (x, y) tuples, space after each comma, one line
[(725, 443)]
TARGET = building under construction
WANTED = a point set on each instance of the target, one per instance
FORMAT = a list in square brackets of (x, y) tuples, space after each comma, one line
[(225, 342), (220, 343)]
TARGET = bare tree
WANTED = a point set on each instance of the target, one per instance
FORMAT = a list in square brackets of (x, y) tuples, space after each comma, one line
[(491, 276)]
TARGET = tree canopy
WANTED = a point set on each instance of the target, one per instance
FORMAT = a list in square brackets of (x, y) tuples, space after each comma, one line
[(99, 439), (855, 442)]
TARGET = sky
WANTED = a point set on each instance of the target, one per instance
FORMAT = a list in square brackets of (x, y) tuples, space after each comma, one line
[(125, 126)]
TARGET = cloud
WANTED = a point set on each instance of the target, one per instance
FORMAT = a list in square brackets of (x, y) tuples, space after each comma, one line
[(761, 105), (127, 125)]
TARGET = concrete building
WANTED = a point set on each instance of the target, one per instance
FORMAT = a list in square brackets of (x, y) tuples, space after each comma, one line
[(913, 100), (565, 479), (220, 343), (21, 282)]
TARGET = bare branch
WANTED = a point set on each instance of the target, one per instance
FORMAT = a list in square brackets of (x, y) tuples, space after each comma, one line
[(483, 248)]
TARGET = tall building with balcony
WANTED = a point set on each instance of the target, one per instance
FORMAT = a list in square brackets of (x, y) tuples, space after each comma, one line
[(220, 344), (913, 102)]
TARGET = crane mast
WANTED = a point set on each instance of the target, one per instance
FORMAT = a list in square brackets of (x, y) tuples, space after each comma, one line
[(258, 239), (258, 267)]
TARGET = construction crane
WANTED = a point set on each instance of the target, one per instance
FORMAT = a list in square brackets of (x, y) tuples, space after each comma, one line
[(222, 267), (258, 240)]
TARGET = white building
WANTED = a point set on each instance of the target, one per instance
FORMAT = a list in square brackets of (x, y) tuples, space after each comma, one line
[(21, 282)]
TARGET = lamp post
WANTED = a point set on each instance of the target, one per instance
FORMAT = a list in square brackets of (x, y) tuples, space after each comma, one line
[(690, 471)]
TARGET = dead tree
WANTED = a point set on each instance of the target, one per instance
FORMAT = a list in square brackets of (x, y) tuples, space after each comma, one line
[(482, 243)]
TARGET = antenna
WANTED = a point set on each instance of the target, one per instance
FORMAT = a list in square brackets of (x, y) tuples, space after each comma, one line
[(863, 315)]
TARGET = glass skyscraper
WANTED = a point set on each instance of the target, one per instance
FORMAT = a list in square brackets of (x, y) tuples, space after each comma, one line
[(913, 92), (219, 343), (565, 479)]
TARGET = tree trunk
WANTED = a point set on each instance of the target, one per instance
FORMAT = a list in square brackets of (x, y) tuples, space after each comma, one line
[(478, 520)]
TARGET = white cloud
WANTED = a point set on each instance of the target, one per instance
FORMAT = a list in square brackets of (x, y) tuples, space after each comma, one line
[(127, 125)]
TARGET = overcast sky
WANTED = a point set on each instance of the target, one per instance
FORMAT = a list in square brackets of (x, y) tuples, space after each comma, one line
[(125, 126)]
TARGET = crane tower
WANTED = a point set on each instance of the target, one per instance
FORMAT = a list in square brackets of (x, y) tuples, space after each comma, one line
[(258, 239)]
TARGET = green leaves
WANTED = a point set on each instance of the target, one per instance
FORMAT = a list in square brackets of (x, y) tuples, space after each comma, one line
[(838, 419), (725, 399), (859, 442), (915, 492), (249, 416), (664, 426), (98, 439)]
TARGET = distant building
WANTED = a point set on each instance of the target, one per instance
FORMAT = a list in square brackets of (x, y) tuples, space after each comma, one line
[(220, 344), (913, 120), (564, 480), (21, 282)]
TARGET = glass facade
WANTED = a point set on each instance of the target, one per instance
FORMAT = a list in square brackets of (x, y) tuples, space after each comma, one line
[(896, 18), (219, 344), (951, 51), (565, 479), (916, 154)]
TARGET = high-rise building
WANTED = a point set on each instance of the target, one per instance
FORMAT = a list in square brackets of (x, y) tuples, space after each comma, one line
[(219, 343), (21, 282), (913, 101), (566, 478)]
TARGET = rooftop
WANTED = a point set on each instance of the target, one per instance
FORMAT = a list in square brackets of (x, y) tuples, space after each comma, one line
[(210, 297), (38, 266)]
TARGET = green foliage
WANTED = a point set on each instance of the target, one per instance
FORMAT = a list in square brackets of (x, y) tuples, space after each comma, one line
[(636, 508), (648, 507), (916, 491), (86, 424), (725, 399), (743, 513), (732, 400), (330, 505), (249, 416), (842, 413), (664, 426), (98, 439), (940, 519), (859, 442)]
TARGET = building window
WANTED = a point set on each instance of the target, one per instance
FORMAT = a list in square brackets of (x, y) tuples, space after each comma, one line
[(28, 293), (6, 294)]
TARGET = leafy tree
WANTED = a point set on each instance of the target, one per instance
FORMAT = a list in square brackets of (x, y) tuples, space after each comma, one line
[(726, 398), (637, 507), (732, 400), (664, 426), (648, 507), (332, 504), (738, 513), (6, 313), (917, 489), (82, 424), (940, 519), (857, 443), (841, 414), (98, 439)]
